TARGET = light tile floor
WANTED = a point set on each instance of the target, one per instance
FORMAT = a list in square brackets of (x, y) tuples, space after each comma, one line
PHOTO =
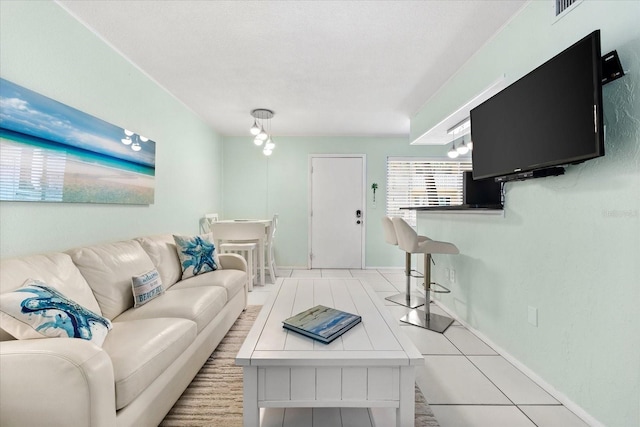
[(464, 380)]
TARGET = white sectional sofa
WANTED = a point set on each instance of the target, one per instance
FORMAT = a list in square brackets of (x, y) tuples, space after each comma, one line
[(148, 358)]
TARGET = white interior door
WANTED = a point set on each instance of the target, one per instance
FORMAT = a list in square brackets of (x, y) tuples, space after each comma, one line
[(337, 198)]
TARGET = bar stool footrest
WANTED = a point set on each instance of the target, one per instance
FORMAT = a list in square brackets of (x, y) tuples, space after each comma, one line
[(416, 274), (443, 290)]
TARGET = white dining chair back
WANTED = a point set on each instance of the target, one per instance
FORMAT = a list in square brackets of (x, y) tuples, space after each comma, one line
[(205, 223), (271, 256), (274, 225)]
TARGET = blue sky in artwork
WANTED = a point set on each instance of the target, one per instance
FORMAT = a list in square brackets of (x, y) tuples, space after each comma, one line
[(25, 111)]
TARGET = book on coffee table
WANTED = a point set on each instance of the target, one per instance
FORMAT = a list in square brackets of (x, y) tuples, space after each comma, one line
[(321, 323)]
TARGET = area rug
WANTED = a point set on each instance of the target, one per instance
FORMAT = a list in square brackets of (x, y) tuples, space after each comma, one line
[(214, 397)]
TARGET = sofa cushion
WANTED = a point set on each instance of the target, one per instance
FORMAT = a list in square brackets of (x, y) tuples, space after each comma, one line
[(146, 287), (40, 311), (108, 268), (197, 254), (140, 350), (231, 280), (200, 305), (55, 269), (163, 253)]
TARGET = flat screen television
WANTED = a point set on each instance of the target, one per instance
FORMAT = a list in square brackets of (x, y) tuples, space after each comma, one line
[(550, 117)]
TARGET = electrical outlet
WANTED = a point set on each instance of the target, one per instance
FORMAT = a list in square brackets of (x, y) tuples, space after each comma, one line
[(532, 315)]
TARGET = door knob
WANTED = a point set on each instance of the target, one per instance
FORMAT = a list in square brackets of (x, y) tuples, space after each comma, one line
[(358, 222)]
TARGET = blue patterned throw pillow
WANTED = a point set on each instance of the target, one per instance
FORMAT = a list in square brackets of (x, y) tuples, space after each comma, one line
[(197, 254), (39, 311)]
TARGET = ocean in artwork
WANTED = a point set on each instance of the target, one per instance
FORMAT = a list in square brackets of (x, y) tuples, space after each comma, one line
[(37, 170), (50, 152)]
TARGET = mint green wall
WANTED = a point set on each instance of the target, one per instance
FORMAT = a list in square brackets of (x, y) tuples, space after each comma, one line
[(259, 186), (48, 51), (567, 245)]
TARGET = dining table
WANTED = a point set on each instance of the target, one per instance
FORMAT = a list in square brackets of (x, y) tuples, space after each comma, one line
[(261, 242)]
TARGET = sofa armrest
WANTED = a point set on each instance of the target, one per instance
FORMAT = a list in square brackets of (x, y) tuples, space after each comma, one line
[(56, 382), (232, 261)]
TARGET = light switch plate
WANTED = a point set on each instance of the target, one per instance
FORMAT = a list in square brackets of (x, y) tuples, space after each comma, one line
[(532, 314)]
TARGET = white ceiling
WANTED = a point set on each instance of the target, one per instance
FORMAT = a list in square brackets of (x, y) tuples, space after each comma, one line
[(325, 67)]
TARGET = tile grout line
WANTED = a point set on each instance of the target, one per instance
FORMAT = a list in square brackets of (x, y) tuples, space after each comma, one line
[(483, 374), (387, 280)]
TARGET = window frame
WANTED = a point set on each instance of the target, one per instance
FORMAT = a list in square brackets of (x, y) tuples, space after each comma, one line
[(439, 192)]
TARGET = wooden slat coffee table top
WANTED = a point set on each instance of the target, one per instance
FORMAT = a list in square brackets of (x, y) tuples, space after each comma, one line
[(377, 340)]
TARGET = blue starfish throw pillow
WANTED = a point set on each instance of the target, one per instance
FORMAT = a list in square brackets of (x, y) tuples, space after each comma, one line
[(39, 311), (197, 254)]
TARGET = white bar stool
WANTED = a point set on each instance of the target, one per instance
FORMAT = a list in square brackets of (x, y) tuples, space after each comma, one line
[(407, 298), (247, 251), (409, 242)]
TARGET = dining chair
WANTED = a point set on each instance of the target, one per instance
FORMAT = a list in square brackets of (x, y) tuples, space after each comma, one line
[(271, 259), (205, 223), (229, 235), (269, 248)]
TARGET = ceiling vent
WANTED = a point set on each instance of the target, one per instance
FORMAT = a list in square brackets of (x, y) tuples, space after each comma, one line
[(562, 5)]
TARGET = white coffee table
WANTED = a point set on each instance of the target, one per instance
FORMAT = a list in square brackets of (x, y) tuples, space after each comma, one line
[(371, 365)]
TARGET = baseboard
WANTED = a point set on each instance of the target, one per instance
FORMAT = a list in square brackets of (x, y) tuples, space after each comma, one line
[(366, 268), (559, 396)]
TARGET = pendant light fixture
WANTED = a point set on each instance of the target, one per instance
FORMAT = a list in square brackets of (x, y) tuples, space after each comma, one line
[(453, 153), (261, 129), (460, 131), (462, 148), (255, 130)]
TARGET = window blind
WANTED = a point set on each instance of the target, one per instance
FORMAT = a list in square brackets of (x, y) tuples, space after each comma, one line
[(413, 182), (31, 173)]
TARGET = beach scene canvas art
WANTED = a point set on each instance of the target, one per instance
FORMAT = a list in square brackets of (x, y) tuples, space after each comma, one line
[(50, 152)]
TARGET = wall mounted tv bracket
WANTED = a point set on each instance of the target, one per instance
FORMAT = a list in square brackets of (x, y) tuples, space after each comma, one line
[(538, 173), (611, 67)]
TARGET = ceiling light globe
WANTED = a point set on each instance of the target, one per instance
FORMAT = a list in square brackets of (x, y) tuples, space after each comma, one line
[(254, 129), (262, 135), (453, 153), (128, 132), (470, 145), (269, 145), (462, 149), (126, 141), (267, 152), (143, 138), (136, 147), (258, 141)]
